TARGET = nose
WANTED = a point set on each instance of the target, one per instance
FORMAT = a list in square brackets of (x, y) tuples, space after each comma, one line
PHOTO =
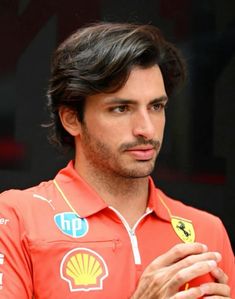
[(143, 125)]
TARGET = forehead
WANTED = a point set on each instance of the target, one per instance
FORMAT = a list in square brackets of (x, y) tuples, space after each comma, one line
[(144, 80), (143, 85)]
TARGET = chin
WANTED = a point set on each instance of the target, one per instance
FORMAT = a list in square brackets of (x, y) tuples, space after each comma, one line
[(138, 174)]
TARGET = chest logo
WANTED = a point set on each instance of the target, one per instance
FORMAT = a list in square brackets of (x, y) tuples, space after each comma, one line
[(71, 225), (184, 229), (83, 269)]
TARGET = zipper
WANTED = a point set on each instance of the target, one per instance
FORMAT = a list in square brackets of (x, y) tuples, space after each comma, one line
[(131, 233)]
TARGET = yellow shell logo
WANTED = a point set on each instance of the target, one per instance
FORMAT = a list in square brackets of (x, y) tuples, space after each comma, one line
[(184, 229), (83, 269)]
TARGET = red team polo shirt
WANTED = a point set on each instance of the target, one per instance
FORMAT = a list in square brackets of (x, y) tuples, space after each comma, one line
[(48, 251)]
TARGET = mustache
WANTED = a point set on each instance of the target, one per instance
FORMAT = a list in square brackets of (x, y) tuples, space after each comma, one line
[(141, 141)]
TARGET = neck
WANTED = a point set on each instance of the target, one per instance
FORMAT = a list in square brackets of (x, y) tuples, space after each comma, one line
[(129, 196)]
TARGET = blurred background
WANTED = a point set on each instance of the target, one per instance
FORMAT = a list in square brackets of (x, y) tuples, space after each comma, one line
[(197, 162)]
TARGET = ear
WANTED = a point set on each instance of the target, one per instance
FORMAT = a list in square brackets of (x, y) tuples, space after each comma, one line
[(70, 121)]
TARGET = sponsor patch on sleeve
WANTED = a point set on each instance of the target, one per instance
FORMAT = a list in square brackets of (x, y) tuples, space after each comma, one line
[(1, 283), (4, 221), (1, 274), (1, 258)]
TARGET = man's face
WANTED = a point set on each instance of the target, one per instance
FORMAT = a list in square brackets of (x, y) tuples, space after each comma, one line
[(123, 131)]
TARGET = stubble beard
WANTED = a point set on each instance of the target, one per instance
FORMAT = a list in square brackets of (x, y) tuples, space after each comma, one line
[(106, 163)]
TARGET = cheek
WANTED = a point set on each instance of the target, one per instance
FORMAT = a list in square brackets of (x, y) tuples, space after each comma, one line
[(112, 130), (163, 125), (162, 130), (160, 126), (105, 134)]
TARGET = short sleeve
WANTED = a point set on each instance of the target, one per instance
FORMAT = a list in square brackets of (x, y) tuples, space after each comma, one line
[(15, 265)]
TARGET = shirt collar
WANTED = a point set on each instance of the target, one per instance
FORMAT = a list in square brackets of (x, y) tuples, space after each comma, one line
[(81, 196), (157, 202), (86, 201)]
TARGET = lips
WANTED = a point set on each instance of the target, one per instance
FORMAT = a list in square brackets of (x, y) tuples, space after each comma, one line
[(143, 153)]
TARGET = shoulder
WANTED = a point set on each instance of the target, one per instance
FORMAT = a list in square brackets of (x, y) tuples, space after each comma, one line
[(19, 198), (200, 218), (26, 207), (208, 228)]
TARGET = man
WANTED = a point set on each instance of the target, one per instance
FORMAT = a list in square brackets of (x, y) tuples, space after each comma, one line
[(101, 229)]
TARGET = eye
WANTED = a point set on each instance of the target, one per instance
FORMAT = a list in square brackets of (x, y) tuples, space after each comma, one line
[(119, 109), (158, 106)]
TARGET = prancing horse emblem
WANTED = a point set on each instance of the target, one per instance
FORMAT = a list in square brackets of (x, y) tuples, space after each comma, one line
[(184, 229)]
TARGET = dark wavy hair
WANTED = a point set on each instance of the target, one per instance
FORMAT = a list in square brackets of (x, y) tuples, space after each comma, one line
[(98, 59)]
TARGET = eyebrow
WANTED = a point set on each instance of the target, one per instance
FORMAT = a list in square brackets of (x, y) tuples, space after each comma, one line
[(129, 101)]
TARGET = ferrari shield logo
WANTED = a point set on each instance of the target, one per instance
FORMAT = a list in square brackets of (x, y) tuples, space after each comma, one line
[(184, 229)]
